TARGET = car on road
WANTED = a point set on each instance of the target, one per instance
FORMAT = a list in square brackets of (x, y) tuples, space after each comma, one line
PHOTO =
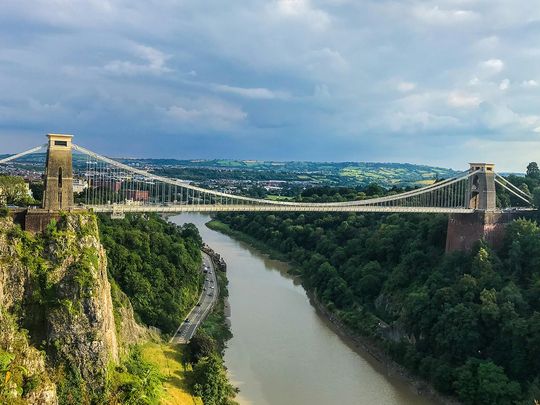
[(186, 321), (210, 295), (198, 304)]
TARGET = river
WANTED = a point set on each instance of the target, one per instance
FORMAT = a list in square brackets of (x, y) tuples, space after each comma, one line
[(283, 352)]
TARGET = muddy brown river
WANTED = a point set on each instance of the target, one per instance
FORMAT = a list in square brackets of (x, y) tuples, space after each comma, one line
[(283, 352)]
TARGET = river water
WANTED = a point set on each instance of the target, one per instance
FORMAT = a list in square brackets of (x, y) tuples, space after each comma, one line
[(283, 352)]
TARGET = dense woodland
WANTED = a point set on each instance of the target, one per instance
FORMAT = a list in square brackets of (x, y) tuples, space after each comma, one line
[(157, 264), (467, 322)]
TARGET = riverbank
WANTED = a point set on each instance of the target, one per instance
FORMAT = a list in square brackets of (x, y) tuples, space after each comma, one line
[(358, 343)]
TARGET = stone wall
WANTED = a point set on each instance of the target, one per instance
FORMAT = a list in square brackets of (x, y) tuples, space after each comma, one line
[(464, 230)]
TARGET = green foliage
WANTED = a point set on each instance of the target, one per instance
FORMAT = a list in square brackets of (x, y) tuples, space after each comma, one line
[(201, 345), (211, 382), (205, 351), (17, 381), (528, 184), (157, 264), (533, 171), (468, 322), (536, 197), (135, 381), (215, 325), (349, 174), (13, 191), (37, 191), (71, 388), (484, 383)]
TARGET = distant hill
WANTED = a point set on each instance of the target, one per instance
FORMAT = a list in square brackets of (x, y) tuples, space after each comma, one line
[(334, 173), (339, 173)]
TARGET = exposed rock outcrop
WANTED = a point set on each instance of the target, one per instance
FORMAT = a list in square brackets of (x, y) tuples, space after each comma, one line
[(56, 286), (81, 327)]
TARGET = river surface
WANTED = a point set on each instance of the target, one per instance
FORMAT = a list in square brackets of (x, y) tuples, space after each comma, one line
[(283, 352)]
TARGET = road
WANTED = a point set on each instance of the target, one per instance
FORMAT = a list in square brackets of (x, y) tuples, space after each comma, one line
[(208, 297)]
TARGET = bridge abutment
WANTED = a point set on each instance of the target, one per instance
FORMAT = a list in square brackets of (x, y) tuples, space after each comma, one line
[(464, 230), (486, 223)]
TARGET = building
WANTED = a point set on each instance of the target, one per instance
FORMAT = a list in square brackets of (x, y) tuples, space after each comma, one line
[(79, 185), (138, 195)]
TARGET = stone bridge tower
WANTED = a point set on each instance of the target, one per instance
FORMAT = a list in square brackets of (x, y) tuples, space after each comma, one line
[(482, 195), (487, 222), (58, 193)]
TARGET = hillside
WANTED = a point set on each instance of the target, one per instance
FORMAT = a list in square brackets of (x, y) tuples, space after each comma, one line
[(324, 173), (68, 334)]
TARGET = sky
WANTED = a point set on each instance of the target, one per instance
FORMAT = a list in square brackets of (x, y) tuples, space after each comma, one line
[(432, 82)]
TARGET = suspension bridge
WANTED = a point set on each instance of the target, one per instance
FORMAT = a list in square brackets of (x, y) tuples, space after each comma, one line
[(110, 186), (117, 188)]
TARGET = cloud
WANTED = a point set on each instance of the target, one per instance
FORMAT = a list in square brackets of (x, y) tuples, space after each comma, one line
[(303, 10), (401, 121), (463, 100), (530, 83), (370, 76), (437, 16), (253, 93), (326, 60), (406, 86), (487, 43), (155, 62), (210, 113), (492, 66)]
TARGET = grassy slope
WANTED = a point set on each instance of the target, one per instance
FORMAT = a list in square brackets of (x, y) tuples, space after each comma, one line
[(168, 359)]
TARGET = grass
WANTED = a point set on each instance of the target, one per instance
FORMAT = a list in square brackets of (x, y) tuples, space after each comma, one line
[(168, 359), (278, 197)]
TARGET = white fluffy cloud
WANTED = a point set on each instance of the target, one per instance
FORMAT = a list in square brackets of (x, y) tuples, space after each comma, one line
[(492, 66)]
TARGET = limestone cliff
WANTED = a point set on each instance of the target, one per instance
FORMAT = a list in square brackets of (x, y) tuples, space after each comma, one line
[(80, 322), (56, 287)]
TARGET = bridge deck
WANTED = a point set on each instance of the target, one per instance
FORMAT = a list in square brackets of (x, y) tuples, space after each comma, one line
[(271, 208)]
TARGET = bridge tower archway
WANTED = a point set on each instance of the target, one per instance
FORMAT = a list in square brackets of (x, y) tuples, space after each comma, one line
[(482, 194), (58, 193)]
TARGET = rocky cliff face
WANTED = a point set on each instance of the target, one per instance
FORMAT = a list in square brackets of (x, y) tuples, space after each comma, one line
[(80, 323), (56, 286)]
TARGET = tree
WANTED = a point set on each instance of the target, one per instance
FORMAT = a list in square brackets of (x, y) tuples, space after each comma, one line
[(201, 345), (212, 384), (484, 383), (533, 171), (536, 197)]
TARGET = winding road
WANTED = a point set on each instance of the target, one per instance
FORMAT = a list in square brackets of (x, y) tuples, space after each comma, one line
[(208, 297)]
